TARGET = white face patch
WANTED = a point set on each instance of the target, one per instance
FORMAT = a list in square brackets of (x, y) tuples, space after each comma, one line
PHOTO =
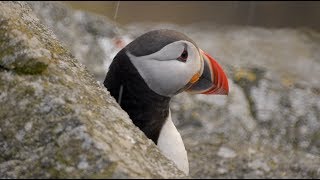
[(163, 73)]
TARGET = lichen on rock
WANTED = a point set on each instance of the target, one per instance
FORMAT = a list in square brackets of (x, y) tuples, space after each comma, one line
[(56, 120)]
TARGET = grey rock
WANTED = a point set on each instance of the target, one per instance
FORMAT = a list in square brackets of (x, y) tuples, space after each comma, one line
[(56, 120), (251, 161), (270, 118), (89, 37), (226, 152)]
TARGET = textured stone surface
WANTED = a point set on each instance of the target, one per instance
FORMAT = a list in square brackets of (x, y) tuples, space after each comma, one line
[(56, 120), (270, 120)]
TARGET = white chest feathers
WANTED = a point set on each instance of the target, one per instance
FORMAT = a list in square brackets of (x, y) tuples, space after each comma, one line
[(171, 145)]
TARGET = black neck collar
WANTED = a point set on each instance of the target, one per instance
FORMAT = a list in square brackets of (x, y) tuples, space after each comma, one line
[(147, 109)]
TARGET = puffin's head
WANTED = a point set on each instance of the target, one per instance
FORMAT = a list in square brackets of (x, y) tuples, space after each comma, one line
[(170, 62)]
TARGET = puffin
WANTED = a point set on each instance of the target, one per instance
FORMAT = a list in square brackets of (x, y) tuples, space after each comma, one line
[(145, 75)]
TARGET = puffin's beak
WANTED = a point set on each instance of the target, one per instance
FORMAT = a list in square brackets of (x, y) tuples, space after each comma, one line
[(212, 80)]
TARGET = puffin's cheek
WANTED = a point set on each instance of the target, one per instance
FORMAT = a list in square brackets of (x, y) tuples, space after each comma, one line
[(166, 77)]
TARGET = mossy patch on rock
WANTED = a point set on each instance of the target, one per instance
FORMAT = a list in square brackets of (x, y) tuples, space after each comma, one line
[(28, 67)]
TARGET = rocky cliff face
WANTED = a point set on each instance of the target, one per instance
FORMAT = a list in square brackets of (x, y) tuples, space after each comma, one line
[(56, 120)]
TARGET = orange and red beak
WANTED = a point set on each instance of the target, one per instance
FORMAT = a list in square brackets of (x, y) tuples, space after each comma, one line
[(212, 79)]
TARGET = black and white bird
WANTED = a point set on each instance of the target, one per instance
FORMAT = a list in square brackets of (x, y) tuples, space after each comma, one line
[(149, 71)]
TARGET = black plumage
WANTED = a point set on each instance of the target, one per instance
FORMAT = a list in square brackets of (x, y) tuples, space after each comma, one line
[(147, 109), (153, 41)]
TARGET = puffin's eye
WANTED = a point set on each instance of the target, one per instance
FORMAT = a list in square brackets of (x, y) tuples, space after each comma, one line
[(184, 56)]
